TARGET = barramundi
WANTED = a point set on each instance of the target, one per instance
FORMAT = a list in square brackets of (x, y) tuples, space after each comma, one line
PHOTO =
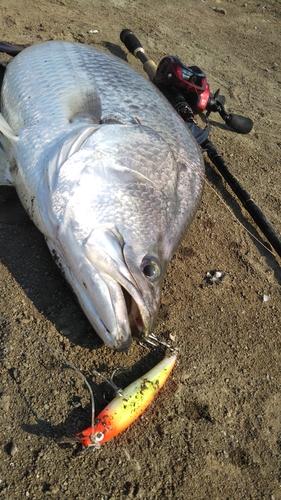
[(107, 171)]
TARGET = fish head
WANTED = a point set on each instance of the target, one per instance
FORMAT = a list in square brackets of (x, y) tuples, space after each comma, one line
[(118, 284), (117, 206), (131, 275)]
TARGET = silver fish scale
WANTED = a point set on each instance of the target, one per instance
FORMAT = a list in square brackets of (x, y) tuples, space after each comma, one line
[(60, 72), (107, 171), (122, 198), (46, 85), (151, 111)]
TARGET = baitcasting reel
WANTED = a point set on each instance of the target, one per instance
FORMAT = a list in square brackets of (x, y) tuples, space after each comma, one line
[(192, 83), (191, 80), (186, 87)]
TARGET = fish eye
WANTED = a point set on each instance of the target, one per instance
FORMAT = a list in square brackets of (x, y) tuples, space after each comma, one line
[(99, 436), (151, 268)]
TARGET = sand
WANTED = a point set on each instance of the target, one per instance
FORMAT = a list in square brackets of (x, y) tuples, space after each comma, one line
[(214, 431)]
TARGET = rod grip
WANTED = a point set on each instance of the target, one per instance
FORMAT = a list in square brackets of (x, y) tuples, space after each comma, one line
[(150, 68), (130, 41)]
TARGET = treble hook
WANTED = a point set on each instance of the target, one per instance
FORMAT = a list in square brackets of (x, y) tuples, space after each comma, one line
[(153, 341)]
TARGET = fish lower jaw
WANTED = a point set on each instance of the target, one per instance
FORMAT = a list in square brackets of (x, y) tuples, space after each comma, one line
[(121, 346), (137, 329)]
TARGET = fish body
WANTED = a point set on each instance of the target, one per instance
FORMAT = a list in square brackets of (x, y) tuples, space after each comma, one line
[(124, 410), (106, 170)]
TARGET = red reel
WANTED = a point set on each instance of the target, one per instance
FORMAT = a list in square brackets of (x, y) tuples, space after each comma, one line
[(191, 79)]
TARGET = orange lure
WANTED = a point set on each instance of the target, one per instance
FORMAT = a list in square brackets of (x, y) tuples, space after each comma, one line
[(124, 410)]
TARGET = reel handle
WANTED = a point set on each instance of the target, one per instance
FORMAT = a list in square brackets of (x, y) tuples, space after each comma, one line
[(241, 124), (134, 46)]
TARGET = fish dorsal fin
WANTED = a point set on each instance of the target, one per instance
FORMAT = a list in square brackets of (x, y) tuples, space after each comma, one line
[(86, 106)]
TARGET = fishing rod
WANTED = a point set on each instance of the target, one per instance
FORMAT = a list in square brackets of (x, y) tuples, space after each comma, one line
[(188, 91)]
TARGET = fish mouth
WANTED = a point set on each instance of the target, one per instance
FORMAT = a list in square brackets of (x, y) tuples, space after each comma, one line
[(113, 304), (123, 313), (135, 329), (115, 315), (121, 308), (118, 306), (134, 315)]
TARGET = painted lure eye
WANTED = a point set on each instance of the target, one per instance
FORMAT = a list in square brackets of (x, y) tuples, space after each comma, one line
[(99, 436), (151, 268)]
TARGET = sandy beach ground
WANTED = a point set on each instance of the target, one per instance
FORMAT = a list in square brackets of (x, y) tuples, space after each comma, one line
[(214, 431)]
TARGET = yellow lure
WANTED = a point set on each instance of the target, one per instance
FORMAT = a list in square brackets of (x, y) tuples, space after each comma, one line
[(124, 410)]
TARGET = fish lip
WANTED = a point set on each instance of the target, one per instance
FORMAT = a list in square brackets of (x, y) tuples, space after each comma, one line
[(118, 339), (125, 345)]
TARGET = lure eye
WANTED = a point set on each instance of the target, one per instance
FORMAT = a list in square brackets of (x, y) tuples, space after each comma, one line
[(99, 436), (151, 268)]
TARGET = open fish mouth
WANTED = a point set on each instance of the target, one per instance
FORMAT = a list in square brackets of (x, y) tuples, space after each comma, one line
[(112, 301), (118, 307), (116, 315), (122, 311), (134, 315)]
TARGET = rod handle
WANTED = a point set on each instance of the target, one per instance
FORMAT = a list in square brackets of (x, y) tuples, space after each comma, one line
[(131, 42)]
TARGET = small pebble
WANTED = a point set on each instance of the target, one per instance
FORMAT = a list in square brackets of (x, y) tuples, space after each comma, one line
[(5, 402), (215, 276), (13, 449), (219, 10), (52, 490)]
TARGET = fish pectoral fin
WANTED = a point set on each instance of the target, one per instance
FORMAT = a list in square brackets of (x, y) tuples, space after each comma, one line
[(7, 137), (6, 129), (86, 105), (5, 174)]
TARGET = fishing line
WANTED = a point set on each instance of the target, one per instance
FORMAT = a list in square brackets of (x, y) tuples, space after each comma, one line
[(59, 355), (228, 208)]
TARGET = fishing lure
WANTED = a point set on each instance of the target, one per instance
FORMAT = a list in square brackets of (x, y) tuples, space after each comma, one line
[(127, 406), (124, 410)]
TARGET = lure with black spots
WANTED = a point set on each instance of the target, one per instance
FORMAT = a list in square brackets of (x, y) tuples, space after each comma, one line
[(124, 410)]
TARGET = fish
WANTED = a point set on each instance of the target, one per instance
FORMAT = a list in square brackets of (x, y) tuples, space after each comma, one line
[(107, 171), (123, 410)]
